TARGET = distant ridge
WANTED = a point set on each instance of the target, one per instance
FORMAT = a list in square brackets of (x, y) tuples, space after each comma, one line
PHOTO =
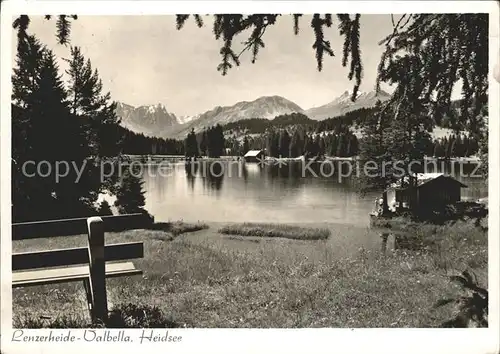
[(266, 107), (155, 120), (343, 104)]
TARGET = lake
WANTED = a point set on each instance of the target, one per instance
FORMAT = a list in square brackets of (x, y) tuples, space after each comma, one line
[(233, 191)]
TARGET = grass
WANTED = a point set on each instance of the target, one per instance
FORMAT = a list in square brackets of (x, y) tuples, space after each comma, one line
[(179, 227), (208, 280), (276, 230), (121, 316)]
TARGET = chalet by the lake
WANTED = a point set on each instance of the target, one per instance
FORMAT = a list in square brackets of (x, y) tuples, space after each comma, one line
[(254, 155), (432, 190)]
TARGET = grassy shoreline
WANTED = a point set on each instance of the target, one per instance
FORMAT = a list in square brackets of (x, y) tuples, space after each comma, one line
[(205, 279), (276, 230)]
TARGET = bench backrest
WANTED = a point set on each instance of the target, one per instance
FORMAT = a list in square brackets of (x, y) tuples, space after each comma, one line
[(73, 256), (95, 255), (78, 255), (77, 226)]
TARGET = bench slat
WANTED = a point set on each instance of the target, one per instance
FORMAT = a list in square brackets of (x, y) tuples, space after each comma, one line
[(73, 256), (69, 274), (77, 226)]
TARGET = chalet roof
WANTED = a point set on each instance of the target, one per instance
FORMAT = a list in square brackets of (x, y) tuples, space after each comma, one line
[(424, 178), (253, 153)]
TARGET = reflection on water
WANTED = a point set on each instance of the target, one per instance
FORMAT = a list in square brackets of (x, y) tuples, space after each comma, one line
[(213, 173), (191, 171), (235, 191)]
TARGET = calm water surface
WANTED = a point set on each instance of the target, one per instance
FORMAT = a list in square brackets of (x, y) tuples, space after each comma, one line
[(238, 192)]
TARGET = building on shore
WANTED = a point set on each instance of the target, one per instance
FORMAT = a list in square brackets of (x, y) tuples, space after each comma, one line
[(431, 190), (254, 155)]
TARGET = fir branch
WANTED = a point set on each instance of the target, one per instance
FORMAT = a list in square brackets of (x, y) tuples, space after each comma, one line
[(296, 18), (180, 21), (230, 25), (199, 21), (255, 40), (356, 68), (350, 30), (63, 29), (344, 30), (320, 44)]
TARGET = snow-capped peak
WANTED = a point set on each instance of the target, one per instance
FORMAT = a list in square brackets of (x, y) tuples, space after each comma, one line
[(344, 103), (147, 119), (347, 95), (186, 119), (158, 108)]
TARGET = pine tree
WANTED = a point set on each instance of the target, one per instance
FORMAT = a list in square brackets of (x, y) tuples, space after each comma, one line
[(215, 141), (246, 145), (219, 141), (96, 109), (374, 147), (284, 143), (308, 146), (454, 149), (235, 148), (42, 115), (438, 149), (25, 85), (130, 195), (204, 143), (210, 142), (29, 57), (333, 145), (191, 145), (444, 145), (315, 145), (475, 145), (322, 146), (449, 147), (352, 145), (100, 136), (466, 147), (295, 145), (341, 146), (56, 123), (272, 144), (457, 150), (104, 209)]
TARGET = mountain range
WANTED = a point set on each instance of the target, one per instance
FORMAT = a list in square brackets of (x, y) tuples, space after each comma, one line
[(148, 120), (155, 120), (343, 104)]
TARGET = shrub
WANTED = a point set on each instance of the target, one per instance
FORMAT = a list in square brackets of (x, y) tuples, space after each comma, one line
[(104, 209), (134, 316), (472, 309)]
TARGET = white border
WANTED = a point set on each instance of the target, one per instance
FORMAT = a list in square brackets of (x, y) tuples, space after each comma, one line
[(255, 340)]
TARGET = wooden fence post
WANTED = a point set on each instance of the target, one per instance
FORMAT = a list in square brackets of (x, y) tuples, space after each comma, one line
[(97, 263)]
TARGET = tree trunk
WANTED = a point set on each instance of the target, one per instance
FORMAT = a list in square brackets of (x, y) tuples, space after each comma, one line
[(385, 204)]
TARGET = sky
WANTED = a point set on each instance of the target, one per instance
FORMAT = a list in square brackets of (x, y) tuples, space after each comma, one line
[(145, 60)]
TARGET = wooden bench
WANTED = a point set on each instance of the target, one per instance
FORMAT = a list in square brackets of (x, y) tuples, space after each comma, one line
[(86, 264)]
